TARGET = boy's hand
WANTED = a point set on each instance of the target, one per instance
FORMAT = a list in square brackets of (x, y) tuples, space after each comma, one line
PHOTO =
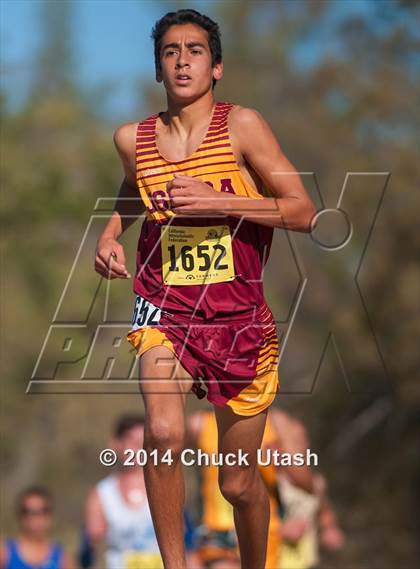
[(110, 259), (332, 538), (190, 195), (293, 529)]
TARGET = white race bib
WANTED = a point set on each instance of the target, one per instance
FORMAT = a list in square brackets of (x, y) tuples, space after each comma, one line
[(145, 314)]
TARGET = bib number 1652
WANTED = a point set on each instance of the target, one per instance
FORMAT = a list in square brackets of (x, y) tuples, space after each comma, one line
[(187, 258)]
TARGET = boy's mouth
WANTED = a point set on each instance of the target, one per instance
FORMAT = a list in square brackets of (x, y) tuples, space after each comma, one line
[(182, 78)]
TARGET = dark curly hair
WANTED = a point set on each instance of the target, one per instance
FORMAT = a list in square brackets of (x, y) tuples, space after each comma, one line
[(39, 491), (125, 423), (188, 16)]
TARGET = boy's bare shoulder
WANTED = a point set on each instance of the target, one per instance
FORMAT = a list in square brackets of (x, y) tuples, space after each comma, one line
[(246, 127), (125, 137), (244, 117)]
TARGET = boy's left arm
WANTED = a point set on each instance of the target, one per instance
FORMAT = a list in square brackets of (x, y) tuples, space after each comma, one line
[(253, 142)]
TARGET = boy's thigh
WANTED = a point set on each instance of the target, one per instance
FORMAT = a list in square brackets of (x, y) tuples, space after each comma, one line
[(162, 375), (241, 436), (240, 432)]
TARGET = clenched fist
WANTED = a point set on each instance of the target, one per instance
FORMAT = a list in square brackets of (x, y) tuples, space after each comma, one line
[(110, 259)]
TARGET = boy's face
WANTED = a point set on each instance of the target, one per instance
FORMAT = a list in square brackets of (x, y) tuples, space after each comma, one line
[(132, 439), (185, 62), (35, 516)]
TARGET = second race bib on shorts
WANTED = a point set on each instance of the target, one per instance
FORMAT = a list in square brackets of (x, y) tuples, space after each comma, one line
[(196, 255), (145, 314)]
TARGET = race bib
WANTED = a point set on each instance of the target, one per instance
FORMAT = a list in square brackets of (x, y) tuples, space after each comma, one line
[(145, 314), (142, 560), (196, 255)]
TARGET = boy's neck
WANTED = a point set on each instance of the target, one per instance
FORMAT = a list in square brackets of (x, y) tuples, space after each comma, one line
[(33, 539), (187, 116)]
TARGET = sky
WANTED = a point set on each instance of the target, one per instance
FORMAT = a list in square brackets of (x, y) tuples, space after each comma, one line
[(111, 42), (112, 45)]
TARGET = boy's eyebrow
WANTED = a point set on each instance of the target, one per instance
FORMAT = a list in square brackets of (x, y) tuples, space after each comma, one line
[(189, 44)]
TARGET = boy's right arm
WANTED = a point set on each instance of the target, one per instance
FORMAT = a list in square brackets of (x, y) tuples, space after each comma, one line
[(110, 258)]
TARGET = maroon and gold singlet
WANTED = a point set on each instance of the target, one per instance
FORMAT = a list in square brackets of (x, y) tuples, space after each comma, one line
[(199, 279)]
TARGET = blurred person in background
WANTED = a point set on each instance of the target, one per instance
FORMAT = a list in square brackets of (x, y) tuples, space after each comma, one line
[(293, 536), (308, 518), (117, 511), (215, 539), (33, 548), (309, 522)]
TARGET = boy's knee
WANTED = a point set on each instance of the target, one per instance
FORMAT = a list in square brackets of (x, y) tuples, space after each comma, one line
[(162, 434), (237, 487)]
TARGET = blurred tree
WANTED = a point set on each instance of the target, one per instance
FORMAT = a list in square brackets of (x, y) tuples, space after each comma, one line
[(57, 159), (55, 62)]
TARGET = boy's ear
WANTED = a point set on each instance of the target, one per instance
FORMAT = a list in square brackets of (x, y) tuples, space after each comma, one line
[(159, 75), (218, 71)]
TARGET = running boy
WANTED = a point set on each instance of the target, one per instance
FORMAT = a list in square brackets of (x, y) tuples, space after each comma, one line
[(200, 168)]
